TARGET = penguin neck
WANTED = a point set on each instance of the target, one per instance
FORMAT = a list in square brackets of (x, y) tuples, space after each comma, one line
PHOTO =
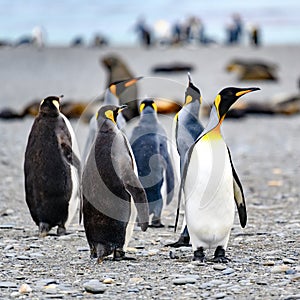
[(51, 115), (213, 128), (148, 117), (192, 108), (106, 125)]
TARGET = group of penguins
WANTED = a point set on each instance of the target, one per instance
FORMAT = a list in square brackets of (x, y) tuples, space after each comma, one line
[(117, 184)]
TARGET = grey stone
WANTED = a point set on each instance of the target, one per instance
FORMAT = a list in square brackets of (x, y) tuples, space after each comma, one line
[(184, 280), (228, 271), (94, 286), (7, 284)]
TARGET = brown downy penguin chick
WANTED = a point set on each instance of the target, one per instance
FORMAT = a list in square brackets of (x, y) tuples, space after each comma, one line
[(109, 181), (52, 169)]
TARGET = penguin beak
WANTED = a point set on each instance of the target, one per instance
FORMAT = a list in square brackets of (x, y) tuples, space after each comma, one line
[(132, 81), (122, 107), (246, 91)]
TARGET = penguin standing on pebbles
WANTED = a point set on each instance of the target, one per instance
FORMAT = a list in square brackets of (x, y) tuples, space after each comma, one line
[(150, 149), (109, 181), (52, 169), (111, 97), (187, 130), (211, 185)]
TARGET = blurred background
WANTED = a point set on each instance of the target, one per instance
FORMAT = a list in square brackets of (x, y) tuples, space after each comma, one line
[(69, 21)]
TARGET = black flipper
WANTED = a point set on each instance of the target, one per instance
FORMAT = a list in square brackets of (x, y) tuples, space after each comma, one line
[(238, 195), (135, 189), (169, 171)]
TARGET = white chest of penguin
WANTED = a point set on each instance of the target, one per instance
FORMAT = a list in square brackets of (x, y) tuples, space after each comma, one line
[(209, 194)]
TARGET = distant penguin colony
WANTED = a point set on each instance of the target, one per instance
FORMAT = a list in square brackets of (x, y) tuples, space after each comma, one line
[(119, 183), (52, 169)]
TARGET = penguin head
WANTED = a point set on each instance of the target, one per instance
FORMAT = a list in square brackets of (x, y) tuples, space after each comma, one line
[(228, 96), (192, 93), (148, 106), (118, 87), (50, 106), (109, 112)]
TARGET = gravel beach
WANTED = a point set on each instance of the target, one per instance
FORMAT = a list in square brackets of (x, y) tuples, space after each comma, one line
[(264, 257)]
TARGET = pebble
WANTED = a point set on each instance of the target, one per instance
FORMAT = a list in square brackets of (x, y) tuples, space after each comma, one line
[(108, 280), (219, 295), (25, 288), (292, 297), (279, 269), (7, 284), (288, 261), (50, 289), (269, 263), (82, 249), (228, 271), (219, 267), (133, 290), (184, 280), (94, 286), (6, 226), (136, 280), (23, 257)]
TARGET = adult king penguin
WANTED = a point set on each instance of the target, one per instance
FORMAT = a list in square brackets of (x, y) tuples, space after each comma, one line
[(150, 149), (109, 182), (52, 169), (111, 97), (210, 184), (188, 128)]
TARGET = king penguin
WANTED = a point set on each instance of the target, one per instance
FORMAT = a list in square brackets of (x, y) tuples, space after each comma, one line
[(188, 128), (188, 125), (211, 184), (117, 70), (111, 97), (52, 169), (150, 149), (109, 181)]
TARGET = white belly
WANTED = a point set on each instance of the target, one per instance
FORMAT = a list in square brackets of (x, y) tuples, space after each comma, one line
[(209, 195)]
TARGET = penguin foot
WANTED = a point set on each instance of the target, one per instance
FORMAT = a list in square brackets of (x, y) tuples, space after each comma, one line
[(119, 254), (199, 255), (183, 241), (219, 256), (156, 224), (61, 230), (44, 228)]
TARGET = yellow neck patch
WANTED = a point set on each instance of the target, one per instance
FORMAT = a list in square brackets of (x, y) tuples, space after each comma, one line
[(214, 134), (110, 115)]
